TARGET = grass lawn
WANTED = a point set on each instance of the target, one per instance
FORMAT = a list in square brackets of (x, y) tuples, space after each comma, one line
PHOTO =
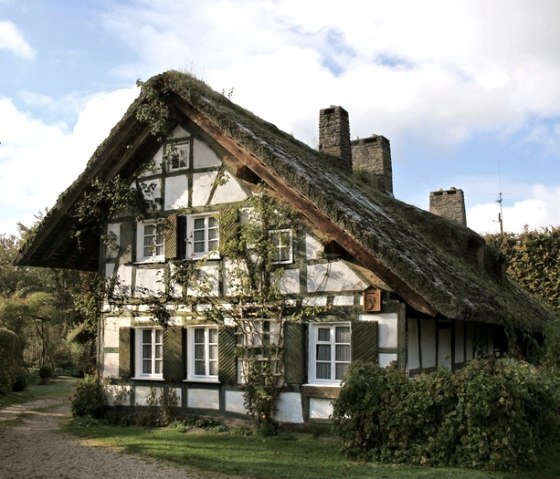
[(295, 456), (58, 387)]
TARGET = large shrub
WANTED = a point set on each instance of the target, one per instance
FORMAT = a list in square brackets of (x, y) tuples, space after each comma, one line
[(11, 365), (89, 399), (493, 414)]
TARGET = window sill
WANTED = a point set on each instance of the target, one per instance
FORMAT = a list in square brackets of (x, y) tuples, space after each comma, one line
[(202, 380), (148, 378), (322, 391), (154, 260)]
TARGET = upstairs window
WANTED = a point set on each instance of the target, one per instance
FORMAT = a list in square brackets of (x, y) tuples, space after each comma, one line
[(177, 155), (202, 363), (149, 353), (329, 352), (281, 242), (204, 237), (151, 238)]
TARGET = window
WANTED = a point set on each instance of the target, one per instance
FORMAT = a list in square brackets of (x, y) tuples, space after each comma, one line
[(202, 362), (203, 237), (150, 241), (329, 352), (177, 155), (149, 353), (282, 246), (257, 335)]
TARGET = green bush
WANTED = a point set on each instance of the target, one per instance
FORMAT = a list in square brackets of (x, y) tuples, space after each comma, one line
[(45, 372), (10, 360), (89, 399), (493, 414)]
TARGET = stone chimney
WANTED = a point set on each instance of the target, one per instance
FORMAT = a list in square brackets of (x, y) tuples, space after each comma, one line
[(373, 156), (334, 136), (450, 204)]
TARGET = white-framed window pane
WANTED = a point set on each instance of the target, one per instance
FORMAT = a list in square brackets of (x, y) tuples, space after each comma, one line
[(341, 369), (213, 335), (147, 366), (343, 352), (213, 368), (204, 235), (149, 352), (281, 242), (323, 352), (342, 334), (199, 223), (324, 334), (203, 362), (323, 371), (158, 366), (177, 155), (152, 244)]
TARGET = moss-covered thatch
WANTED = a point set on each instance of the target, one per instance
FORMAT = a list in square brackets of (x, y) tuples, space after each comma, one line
[(445, 264)]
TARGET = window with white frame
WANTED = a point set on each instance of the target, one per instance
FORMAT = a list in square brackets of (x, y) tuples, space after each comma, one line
[(329, 352), (202, 361), (149, 353), (177, 155), (281, 242), (257, 334), (150, 241), (203, 236)]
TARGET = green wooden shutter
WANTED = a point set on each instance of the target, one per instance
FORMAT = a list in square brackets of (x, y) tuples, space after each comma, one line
[(171, 249), (173, 363), (294, 353), (229, 230), (126, 243), (227, 361), (182, 237), (126, 353), (365, 342)]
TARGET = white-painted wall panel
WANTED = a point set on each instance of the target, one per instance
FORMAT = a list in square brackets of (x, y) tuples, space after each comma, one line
[(289, 408), (459, 341), (149, 282), (320, 408), (202, 187), (444, 349), (346, 300), (313, 247), (113, 240), (111, 365), (412, 344), (385, 359), (234, 402), (203, 398), (208, 282), (334, 276), (118, 394), (141, 393), (204, 156), (228, 192), (288, 282), (176, 192)]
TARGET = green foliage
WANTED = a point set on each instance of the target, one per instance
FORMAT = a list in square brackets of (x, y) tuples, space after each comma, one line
[(493, 414), (533, 261), (89, 399), (10, 360), (154, 110)]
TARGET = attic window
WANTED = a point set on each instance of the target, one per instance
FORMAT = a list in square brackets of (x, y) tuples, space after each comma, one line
[(203, 237), (150, 241), (177, 155), (281, 243)]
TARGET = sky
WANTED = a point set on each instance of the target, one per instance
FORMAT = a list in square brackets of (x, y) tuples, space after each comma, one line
[(467, 92)]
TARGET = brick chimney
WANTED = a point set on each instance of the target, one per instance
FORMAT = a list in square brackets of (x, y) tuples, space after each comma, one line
[(450, 204), (334, 136), (373, 156)]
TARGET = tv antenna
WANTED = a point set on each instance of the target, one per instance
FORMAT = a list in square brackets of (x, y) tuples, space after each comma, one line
[(500, 200)]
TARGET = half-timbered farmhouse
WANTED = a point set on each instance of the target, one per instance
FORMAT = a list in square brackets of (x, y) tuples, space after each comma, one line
[(378, 279)]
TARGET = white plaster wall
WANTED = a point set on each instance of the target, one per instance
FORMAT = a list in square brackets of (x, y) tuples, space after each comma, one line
[(289, 408), (203, 398), (234, 402), (204, 156), (228, 192), (388, 332), (412, 353), (114, 235), (179, 132), (118, 395), (149, 281), (209, 277), (320, 408), (385, 359), (444, 349), (232, 271), (111, 365), (314, 301), (155, 167), (111, 330), (428, 339), (176, 192), (335, 276), (288, 282), (153, 193), (202, 187), (124, 276), (141, 394), (346, 300), (175, 289), (313, 247)]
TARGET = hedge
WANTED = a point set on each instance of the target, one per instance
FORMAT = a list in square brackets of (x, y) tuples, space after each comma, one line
[(11, 365), (493, 414)]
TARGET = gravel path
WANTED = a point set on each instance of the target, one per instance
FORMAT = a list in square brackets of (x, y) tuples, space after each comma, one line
[(32, 446)]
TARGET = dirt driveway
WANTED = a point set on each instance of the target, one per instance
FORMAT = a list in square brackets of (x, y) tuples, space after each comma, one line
[(32, 446)]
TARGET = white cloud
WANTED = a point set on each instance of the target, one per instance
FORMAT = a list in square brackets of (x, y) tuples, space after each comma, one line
[(12, 40), (540, 208), (38, 161)]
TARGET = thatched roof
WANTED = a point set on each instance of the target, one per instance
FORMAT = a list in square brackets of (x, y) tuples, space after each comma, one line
[(438, 266)]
